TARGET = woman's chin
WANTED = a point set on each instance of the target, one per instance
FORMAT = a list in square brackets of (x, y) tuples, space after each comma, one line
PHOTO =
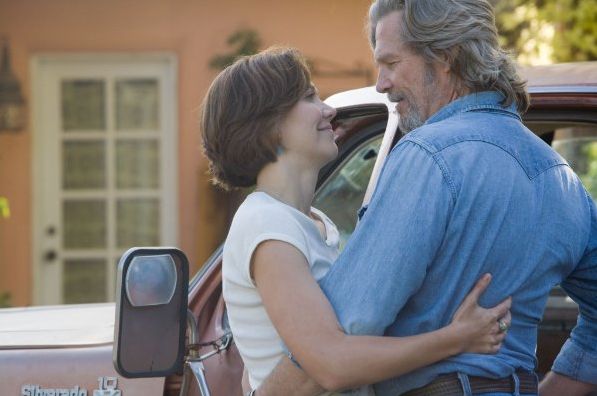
[(332, 155)]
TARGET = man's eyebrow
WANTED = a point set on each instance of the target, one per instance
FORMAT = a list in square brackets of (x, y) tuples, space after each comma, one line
[(385, 57)]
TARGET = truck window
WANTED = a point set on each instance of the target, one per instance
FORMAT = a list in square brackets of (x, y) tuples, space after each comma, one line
[(341, 196), (578, 145)]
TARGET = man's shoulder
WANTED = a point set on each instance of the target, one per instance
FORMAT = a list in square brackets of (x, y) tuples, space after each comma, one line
[(491, 127), (482, 130)]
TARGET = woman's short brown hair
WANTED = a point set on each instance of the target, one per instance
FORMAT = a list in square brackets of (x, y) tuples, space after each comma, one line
[(242, 109)]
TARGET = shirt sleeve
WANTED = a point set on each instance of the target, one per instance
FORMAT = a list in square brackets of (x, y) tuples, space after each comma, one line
[(578, 357), (265, 225), (397, 238)]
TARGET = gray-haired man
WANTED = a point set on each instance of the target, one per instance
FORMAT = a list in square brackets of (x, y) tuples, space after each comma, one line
[(460, 195)]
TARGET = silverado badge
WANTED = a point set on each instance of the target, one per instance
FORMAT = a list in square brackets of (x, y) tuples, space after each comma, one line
[(107, 387)]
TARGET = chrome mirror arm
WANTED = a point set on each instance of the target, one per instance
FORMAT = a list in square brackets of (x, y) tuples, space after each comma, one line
[(193, 366)]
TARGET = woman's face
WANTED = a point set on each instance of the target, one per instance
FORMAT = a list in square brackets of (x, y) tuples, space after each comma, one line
[(306, 131)]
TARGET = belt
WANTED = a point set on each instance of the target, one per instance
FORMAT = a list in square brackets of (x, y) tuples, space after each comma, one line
[(449, 385)]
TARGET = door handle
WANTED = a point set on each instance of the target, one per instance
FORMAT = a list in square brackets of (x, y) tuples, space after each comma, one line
[(50, 255)]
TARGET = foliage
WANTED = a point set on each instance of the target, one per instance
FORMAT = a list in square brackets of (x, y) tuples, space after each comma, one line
[(4, 208), (245, 41), (589, 179), (5, 300), (548, 30)]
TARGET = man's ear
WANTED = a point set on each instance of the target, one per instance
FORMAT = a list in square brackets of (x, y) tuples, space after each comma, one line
[(447, 59)]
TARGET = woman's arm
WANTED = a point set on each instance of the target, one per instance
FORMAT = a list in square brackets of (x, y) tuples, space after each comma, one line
[(307, 323)]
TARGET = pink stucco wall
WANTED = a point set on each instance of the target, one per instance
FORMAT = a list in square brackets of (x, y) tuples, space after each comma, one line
[(194, 30)]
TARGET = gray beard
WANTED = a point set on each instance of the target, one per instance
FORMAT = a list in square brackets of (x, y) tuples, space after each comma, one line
[(412, 120)]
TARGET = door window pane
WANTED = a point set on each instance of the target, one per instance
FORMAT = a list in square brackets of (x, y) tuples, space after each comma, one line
[(84, 281), (137, 102), (578, 145), (342, 194), (83, 165), (137, 164), (138, 222), (84, 224), (83, 105)]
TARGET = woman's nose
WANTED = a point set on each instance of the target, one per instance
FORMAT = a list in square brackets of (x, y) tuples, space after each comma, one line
[(328, 112)]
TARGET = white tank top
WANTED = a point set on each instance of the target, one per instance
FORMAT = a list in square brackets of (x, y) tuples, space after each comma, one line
[(259, 218)]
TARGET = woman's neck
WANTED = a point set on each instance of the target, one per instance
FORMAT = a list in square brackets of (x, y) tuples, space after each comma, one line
[(289, 184)]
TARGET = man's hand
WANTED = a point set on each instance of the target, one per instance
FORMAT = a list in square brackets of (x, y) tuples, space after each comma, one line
[(556, 385), (288, 379)]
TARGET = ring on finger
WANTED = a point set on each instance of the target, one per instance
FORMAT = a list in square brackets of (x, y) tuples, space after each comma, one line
[(503, 326)]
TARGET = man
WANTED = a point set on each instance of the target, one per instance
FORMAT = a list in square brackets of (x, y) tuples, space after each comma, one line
[(468, 190)]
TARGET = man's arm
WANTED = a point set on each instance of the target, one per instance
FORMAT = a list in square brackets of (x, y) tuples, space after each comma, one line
[(556, 385), (575, 368), (388, 256)]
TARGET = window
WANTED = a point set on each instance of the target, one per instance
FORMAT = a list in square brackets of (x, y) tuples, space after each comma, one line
[(341, 196), (578, 145)]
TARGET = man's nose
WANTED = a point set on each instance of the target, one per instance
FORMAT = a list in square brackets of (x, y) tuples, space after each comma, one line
[(383, 83)]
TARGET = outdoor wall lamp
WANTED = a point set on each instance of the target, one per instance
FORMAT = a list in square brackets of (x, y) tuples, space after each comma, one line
[(12, 104)]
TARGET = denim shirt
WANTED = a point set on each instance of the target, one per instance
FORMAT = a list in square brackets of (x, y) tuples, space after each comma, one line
[(471, 191)]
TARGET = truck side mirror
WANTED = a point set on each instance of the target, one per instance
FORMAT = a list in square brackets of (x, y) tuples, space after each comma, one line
[(151, 312)]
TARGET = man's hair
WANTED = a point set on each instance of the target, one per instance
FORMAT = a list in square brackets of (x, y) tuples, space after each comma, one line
[(242, 110), (464, 32)]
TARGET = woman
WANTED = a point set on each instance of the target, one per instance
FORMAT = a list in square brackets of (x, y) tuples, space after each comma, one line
[(263, 124)]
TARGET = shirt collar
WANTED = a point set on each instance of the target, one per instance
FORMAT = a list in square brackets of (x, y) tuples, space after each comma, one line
[(486, 100)]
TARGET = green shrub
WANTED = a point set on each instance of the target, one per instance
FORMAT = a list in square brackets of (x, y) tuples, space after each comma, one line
[(5, 300)]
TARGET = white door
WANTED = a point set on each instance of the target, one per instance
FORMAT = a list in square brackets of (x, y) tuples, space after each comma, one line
[(105, 174)]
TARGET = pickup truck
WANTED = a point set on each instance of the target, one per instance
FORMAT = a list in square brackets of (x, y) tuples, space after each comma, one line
[(179, 342)]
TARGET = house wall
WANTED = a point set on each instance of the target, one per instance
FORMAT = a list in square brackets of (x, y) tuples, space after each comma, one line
[(195, 30)]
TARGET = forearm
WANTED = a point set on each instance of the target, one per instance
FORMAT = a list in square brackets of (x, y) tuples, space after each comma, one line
[(352, 361), (340, 361), (555, 384), (288, 379)]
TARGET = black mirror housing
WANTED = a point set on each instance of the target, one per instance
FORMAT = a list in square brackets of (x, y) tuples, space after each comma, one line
[(151, 312)]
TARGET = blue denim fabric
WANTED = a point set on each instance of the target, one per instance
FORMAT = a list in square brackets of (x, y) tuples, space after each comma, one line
[(472, 191)]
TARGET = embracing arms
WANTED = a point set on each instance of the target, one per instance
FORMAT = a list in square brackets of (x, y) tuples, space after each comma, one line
[(307, 323)]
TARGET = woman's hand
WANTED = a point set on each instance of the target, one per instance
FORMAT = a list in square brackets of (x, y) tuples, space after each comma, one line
[(479, 327)]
